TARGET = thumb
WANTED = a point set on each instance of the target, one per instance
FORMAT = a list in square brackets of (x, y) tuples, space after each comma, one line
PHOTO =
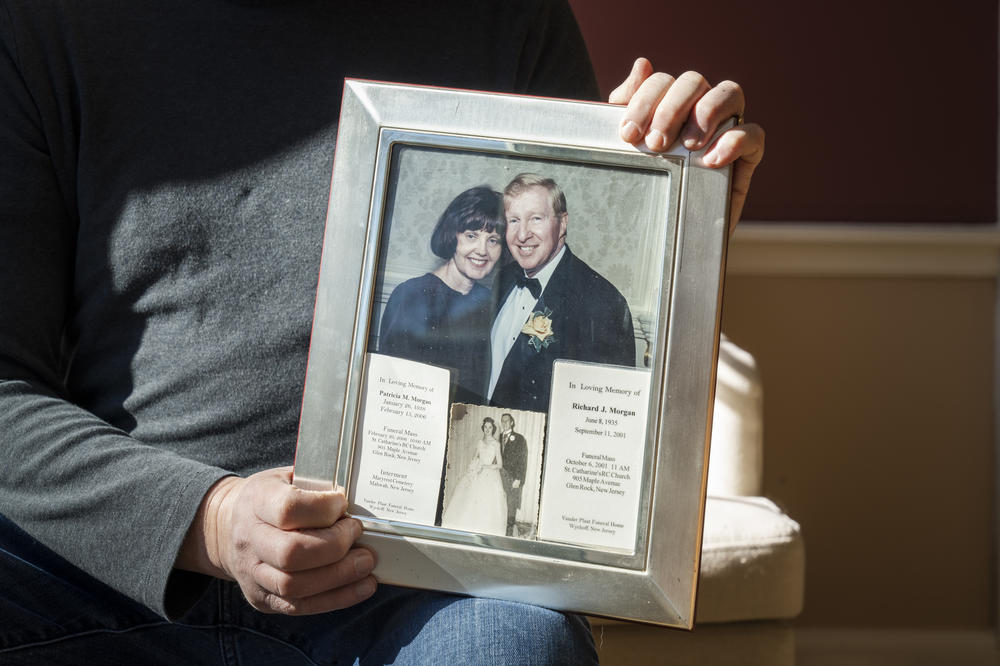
[(287, 507)]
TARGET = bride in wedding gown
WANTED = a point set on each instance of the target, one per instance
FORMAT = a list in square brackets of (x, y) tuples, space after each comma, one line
[(479, 503)]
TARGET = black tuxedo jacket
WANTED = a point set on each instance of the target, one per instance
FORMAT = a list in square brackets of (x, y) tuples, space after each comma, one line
[(514, 451), (590, 322)]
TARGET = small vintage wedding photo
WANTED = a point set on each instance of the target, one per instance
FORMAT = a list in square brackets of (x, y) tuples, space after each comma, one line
[(493, 470)]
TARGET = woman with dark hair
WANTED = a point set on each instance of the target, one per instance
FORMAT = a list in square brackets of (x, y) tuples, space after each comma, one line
[(479, 501), (443, 317)]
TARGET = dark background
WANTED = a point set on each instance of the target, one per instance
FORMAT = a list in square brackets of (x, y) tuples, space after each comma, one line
[(874, 111)]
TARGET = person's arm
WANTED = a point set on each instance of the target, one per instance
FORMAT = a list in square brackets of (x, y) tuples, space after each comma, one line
[(519, 467), (291, 551), (106, 502), (395, 338), (663, 109), (623, 348), (116, 507), (614, 341)]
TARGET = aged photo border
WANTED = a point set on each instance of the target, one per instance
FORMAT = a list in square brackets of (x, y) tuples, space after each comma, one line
[(657, 582)]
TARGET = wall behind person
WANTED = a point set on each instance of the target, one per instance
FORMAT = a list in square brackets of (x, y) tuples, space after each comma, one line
[(878, 388), (878, 439), (882, 111)]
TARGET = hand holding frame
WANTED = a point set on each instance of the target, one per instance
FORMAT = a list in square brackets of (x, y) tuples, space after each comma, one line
[(662, 109)]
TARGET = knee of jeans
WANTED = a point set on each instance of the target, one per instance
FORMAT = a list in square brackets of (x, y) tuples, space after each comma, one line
[(513, 633)]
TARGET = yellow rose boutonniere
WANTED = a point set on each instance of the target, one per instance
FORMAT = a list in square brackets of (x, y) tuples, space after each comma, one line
[(538, 328)]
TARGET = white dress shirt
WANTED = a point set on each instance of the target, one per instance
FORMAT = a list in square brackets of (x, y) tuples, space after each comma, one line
[(510, 320)]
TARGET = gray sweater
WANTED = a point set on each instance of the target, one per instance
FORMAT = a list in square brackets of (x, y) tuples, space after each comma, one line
[(164, 173)]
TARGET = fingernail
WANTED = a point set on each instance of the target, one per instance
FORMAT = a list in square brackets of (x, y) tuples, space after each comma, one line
[(364, 563), (711, 158), (692, 140), (655, 140), (630, 132), (365, 588)]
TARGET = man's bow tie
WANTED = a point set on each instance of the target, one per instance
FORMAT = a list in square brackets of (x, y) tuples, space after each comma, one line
[(533, 285)]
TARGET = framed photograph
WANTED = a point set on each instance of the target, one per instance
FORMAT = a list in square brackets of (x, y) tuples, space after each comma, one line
[(512, 363)]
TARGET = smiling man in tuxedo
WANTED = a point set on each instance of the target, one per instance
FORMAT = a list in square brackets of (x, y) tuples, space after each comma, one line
[(552, 305)]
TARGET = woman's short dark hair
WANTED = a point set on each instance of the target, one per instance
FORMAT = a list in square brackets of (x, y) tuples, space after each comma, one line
[(476, 208), (493, 424)]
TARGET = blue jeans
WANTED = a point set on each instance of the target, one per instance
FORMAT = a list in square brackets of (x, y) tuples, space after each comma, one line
[(53, 613)]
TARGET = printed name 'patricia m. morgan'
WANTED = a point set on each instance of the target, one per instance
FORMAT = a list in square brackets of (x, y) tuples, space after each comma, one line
[(402, 439)]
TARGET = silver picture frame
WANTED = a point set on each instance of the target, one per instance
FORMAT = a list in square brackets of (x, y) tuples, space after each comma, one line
[(654, 224)]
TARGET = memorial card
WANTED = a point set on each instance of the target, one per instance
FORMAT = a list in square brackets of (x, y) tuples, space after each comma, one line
[(597, 436), (402, 440)]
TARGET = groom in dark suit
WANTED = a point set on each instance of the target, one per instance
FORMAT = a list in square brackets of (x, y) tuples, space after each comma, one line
[(514, 452), (551, 304)]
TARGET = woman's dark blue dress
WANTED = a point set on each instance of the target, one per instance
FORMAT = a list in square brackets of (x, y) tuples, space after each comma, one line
[(426, 320)]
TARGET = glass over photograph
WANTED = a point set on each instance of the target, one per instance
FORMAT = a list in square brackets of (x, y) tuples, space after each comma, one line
[(490, 269), (512, 360)]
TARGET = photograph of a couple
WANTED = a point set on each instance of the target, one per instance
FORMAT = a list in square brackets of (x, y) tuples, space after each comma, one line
[(496, 282), (494, 463)]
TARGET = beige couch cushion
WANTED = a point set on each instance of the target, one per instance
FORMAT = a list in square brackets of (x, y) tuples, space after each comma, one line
[(752, 562), (736, 462)]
